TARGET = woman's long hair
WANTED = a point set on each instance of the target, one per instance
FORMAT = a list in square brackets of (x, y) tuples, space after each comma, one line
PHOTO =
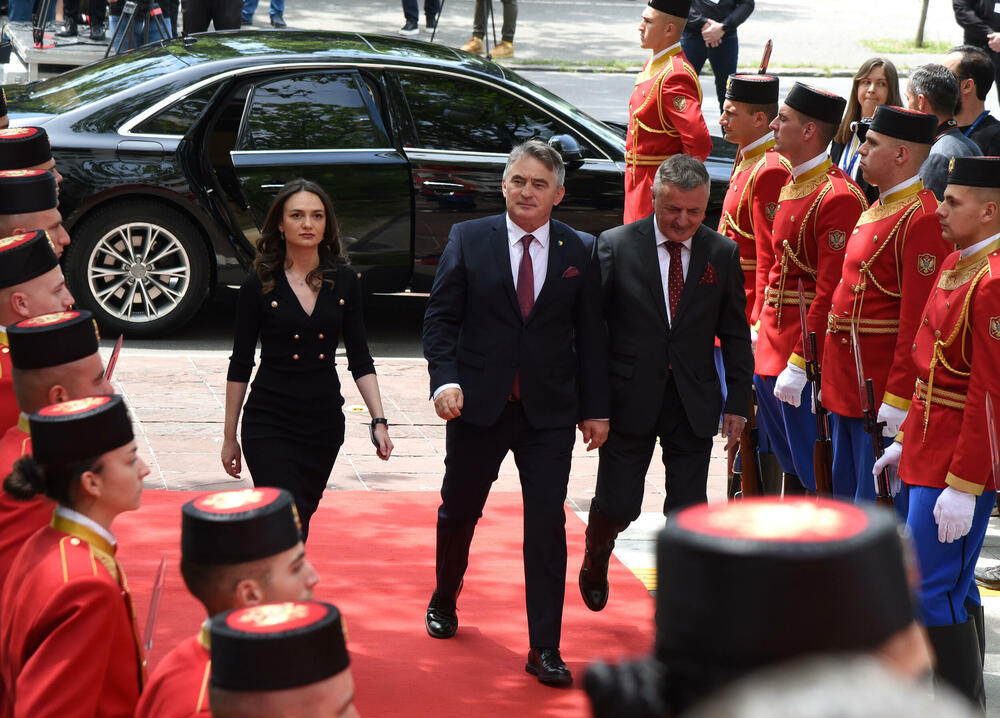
[(271, 243), (853, 111)]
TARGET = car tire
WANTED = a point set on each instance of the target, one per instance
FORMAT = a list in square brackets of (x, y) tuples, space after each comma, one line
[(141, 267)]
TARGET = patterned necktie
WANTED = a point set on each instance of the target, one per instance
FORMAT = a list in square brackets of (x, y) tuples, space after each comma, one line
[(526, 278), (675, 276), (525, 294)]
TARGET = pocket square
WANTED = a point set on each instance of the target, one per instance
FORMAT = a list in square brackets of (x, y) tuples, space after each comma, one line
[(571, 272), (708, 276)]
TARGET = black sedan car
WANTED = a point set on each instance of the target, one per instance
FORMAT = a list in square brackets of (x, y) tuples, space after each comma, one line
[(171, 155)]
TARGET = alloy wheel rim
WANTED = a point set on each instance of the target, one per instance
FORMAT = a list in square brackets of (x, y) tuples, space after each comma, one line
[(139, 272)]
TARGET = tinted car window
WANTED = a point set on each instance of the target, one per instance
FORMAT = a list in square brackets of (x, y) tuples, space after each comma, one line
[(454, 114), (178, 118), (99, 80), (313, 111)]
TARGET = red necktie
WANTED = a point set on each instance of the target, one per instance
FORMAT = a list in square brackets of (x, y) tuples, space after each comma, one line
[(675, 277), (525, 293)]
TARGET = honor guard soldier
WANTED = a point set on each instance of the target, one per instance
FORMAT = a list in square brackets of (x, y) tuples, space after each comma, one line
[(31, 283), (779, 562), (816, 212), (664, 111), (55, 359), (29, 200), (27, 148), (68, 642), (891, 263), (945, 441), (238, 548), (752, 198), (281, 659)]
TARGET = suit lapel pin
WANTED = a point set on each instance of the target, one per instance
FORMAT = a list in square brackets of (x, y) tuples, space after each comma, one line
[(560, 243)]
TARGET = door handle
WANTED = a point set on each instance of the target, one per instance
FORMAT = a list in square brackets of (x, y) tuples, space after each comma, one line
[(271, 188), (444, 188)]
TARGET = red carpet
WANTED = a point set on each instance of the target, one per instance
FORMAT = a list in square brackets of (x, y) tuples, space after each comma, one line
[(375, 556)]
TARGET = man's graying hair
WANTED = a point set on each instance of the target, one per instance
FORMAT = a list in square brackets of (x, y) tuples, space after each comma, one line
[(542, 152), (938, 85), (681, 171)]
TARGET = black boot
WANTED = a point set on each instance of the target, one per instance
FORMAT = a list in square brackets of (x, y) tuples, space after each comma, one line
[(794, 487), (97, 32), (68, 29), (601, 535), (958, 663), (979, 618), (770, 474)]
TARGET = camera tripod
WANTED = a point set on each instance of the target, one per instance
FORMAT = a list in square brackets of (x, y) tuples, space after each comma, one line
[(488, 11), (124, 38), (39, 19)]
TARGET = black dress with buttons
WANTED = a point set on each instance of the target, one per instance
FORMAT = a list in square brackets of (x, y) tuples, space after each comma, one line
[(293, 423)]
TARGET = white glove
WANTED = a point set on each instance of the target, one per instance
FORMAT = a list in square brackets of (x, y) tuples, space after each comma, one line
[(889, 460), (893, 419), (789, 385), (753, 339), (953, 512)]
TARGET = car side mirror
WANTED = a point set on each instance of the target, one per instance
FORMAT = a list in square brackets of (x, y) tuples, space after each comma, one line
[(567, 147)]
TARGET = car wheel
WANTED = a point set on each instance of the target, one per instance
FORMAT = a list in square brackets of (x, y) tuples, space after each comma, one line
[(140, 267)]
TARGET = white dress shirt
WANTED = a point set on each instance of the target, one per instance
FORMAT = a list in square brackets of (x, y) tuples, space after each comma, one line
[(538, 250), (76, 516), (664, 258)]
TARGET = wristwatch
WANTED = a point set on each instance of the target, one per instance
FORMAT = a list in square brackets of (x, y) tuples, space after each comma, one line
[(371, 428)]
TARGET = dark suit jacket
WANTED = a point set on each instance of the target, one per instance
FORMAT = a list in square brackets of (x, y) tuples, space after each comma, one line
[(474, 334), (646, 349)]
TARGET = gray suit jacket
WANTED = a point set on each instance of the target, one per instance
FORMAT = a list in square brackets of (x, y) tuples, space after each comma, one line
[(934, 170)]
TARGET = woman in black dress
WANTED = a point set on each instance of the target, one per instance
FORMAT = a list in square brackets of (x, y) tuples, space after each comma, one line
[(299, 299)]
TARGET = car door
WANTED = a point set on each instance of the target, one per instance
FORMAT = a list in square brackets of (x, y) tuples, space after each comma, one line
[(456, 132), (324, 125)]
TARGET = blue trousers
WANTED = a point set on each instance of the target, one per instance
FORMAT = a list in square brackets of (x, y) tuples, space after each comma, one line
[(20, 10), (723, 58), (790, 431), (946, 569), (853, 459), (411, 11), (250, 7)]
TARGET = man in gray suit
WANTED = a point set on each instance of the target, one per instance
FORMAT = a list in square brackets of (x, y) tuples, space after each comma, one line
[(933, 89)]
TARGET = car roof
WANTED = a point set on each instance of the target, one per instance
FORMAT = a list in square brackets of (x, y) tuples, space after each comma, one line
[(232, 48)]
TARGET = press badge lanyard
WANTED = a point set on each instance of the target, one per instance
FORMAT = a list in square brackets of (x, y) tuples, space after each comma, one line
[(978, 120)]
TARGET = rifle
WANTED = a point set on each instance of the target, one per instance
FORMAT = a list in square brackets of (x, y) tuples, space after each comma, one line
[(866, 393), (823, 448), (766, 59), (750, 478)]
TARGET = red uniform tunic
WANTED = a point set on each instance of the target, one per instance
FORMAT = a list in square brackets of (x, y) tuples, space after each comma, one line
[(178, 687), (18, 519), (8, 402), (816, 213), (892, 261), (748, 217), (68, 645), (956, 351), (664, 119)]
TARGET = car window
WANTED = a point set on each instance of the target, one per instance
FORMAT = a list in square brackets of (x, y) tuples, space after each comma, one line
[(310, 111), (450, 113), (178, 118), (99, 80)]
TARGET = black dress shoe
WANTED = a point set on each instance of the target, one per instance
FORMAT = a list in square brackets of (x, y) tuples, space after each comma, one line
[(442, 617), (68, 29), (547, 664), (593, 581), (278, 21), (97, 33)]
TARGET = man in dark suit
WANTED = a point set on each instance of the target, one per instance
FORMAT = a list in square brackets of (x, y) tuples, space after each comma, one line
[(517, 355), (671, 286)]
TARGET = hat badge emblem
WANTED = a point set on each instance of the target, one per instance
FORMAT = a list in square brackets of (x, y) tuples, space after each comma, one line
[(273, 614), (224, 500)]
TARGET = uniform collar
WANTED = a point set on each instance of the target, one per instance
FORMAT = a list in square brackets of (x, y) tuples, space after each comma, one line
[(205, 636), (666, 52), (758, 146), (806, 168), (76, 524), (902, 190), (515, 233), (978, 246), (3, 336), (23, 424)]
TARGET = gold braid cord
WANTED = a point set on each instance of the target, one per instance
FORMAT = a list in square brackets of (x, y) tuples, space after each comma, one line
[(733, 222), (866, 273), (961, 327), (787, 253)]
